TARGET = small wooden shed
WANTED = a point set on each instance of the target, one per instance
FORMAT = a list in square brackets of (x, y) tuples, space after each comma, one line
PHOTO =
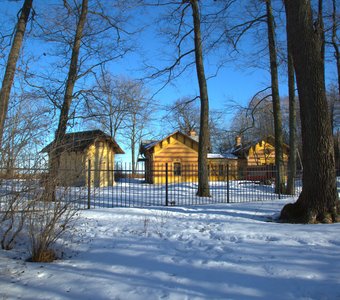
[(81, 150)]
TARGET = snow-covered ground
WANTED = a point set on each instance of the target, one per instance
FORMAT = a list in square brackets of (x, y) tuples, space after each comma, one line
[(224, 251)]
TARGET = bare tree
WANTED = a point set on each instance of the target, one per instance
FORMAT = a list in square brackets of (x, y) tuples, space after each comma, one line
[(80, 39), (335, 40), (204, 135), (183, 114), (217, 122), (256, 120), (292, 125), (79, 35), (108, 107), (279, 182), (334, 107), (318, 201), (67, 100), (26, 122), (8, 78), (182, 32), (138, 114), (71, 77), (251, 16)]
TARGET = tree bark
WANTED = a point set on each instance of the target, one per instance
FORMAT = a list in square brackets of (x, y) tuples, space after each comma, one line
[(292, 125), (7, 81), (279, 182), (72, 75), (64, 114), (318, 201), (203, 174), (334, 41)]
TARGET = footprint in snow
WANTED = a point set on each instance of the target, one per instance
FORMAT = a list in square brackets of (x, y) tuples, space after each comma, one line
[(272, 239), (235, 239)]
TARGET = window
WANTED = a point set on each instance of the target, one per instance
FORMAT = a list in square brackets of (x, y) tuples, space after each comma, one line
[(177, 169)]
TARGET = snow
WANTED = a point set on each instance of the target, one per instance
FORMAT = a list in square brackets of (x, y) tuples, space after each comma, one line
[(138, 193), (218, 155), (222, 251)]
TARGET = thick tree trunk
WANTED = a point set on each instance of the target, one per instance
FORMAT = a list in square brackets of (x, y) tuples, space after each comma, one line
[(64, 114), (279, 182), (7, 81), (292, 125), (203, 174), (318, 201)]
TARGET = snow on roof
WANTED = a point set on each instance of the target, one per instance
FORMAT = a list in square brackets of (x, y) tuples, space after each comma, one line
[(215, 155), (218, 155)]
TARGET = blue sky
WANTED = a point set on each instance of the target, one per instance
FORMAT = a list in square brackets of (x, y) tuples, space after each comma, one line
[(234, 81)]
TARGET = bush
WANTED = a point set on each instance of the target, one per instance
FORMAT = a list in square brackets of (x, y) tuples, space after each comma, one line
[(25, 210)]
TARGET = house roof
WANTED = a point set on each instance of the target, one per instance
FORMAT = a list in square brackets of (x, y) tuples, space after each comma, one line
[(241, 150), (146, 145), (78, 141)]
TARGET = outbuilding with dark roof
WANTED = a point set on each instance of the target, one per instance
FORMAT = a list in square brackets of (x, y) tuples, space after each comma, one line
[(80, 151)]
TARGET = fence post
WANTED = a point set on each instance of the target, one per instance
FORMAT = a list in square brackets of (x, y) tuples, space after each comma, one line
[(166, 185), (278, 170), (228, 199), (89, 184)]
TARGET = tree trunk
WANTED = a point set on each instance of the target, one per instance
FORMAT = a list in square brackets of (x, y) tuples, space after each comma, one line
[(64, 114), (318, 201), (292, 125), (279, 182), (203, 174), (334, 42), (133, 144), (7, 81), (72, 74)]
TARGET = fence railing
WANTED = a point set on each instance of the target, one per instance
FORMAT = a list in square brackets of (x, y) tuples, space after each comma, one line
[(132, 187)]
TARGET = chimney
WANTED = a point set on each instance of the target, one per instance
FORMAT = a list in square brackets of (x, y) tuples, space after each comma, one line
[(238, 141), (192, 133)]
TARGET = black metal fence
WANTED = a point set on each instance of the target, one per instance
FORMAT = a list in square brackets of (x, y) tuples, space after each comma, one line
[(130, 187), (165, 185)]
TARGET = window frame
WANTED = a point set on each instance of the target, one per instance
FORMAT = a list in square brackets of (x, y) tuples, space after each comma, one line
[(177, 169)]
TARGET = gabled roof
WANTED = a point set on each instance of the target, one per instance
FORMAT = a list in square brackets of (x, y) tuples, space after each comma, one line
[(78, 141), (242, 150), (149, 144)]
